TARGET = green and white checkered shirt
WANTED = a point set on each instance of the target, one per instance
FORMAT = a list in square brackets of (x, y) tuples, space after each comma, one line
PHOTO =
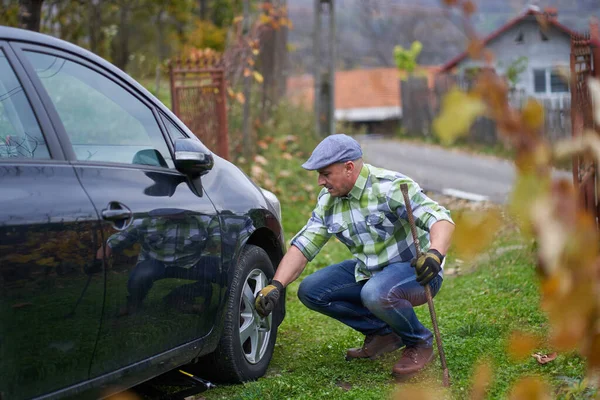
[(371, 221)]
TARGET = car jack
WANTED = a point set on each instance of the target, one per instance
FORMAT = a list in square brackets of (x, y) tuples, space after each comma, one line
[(162, 387)]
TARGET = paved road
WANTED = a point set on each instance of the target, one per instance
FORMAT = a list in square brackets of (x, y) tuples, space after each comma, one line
[(445, 171)]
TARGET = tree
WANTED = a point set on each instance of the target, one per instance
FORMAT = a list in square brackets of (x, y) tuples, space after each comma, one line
[(406, 59), (30, 12), (515, 69)]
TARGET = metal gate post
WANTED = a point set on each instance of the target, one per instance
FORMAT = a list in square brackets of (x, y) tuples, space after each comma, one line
[(223, 139)]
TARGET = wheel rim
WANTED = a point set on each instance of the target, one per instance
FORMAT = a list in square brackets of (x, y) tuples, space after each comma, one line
[(255, 331)]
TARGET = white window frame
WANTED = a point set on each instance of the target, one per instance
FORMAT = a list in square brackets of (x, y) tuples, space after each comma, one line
[(547, 84)]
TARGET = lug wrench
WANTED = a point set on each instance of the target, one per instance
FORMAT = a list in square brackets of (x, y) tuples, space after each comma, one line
[(438, 339)]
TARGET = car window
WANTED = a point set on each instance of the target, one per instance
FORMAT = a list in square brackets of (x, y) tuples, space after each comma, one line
[(20, 133), (103, 120), (172, 129)]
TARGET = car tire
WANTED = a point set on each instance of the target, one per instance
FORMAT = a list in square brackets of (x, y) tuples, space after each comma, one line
[(247, 342)]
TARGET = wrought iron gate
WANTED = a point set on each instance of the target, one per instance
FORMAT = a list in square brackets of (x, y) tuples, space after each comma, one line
[(198, 94), (584, 64)]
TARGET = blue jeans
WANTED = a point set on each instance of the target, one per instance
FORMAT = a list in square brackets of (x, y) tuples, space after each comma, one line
[(380, 305)]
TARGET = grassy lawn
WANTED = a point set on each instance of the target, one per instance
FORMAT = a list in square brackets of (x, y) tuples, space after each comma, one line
[(478, 308), (477, 311)]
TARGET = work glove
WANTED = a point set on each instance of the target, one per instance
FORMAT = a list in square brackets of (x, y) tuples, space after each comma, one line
[(267, 299), (427, 266)]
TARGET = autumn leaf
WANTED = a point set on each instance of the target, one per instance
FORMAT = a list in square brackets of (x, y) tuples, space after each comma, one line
[(475, 48), (533, 114), (469, 8), (256, 171), (414, 392), (475, 230), (530, 388), (568, 147), (261, 160), (264, 19), (258, 77), (481, 381), (459, 111), (544, 358), (247, 72), (521, 344), (526, 190), (240, 97), (269, 184)]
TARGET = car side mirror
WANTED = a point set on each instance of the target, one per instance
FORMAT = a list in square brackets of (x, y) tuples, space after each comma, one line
[(149, 157), (192, 157)]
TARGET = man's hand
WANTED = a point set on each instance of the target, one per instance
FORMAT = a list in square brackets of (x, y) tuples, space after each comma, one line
[(267, 298), (428, 265), (103, 252)]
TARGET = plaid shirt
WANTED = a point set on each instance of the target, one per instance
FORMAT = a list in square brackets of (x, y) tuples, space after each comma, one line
[(371, 221), (175, 240)]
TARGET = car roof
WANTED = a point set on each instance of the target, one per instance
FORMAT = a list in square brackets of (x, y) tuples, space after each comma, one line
[(23, 35)]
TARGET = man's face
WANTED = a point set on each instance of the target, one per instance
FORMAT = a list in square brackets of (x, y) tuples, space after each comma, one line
[(337, 178)]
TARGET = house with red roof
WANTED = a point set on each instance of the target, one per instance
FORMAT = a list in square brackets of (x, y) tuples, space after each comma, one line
[(363, 97), (541, 42)]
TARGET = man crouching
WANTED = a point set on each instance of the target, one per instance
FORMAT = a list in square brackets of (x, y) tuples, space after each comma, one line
[(375, 291)]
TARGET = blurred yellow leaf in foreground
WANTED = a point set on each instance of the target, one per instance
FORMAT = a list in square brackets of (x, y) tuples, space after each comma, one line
[(459, 111), (522, 344), (474, 231), (258, 77), (481, 381), (530, 389), (527, 189), (415, 392), (533, 114)]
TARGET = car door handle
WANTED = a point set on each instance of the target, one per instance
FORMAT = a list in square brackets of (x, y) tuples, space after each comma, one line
[(119, 214), (116, 215)]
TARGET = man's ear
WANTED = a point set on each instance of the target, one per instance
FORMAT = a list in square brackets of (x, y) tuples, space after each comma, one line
[(349, 166)]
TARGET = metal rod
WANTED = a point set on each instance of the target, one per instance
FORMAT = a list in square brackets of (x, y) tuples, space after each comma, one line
[(436, 329)]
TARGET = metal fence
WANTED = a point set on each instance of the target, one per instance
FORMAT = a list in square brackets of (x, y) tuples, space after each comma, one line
[(584, 64), (421, 104), (198, 94)]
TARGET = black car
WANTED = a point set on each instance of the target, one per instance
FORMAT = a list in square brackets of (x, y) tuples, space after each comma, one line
[(127, 248)]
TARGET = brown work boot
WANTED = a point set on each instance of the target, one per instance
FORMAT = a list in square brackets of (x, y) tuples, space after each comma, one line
[(375, 346), (413, 360)]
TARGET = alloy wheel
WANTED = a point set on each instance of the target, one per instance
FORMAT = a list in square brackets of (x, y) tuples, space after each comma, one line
[(255, 331)]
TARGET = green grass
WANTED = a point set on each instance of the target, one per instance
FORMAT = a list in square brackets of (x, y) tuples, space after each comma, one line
[(477, 311), (476, 314)]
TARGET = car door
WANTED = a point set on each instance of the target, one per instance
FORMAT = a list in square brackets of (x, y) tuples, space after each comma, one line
[(51, 286), (160, 230)]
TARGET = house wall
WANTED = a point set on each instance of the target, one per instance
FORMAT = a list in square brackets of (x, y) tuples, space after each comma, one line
[(540, 54)]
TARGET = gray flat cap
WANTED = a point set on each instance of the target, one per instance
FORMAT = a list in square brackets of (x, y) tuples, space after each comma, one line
[(333, 149)]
